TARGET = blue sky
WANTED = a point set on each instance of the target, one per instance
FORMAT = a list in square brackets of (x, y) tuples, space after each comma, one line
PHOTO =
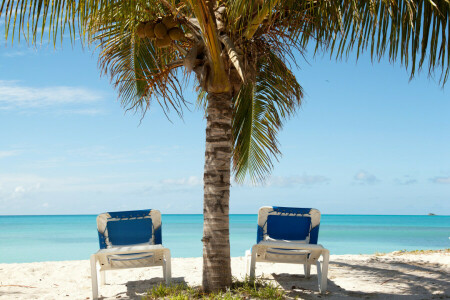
[(366, 141)]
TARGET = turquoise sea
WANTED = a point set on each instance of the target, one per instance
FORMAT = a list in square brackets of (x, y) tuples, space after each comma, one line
[(47, 238)]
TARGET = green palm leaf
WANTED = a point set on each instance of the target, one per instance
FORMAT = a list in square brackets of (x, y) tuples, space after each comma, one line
[(416, 32), (260, 111), (139, 70)]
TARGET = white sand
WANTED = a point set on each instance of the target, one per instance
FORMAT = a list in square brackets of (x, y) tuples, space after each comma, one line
[(389, 276)]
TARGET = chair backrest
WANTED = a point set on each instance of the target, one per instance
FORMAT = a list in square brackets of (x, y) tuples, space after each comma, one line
[(129, 228), (288, 223)]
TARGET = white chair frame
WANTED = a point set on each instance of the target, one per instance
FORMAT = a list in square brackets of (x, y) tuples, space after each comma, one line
[(128, 256), (292, 252)]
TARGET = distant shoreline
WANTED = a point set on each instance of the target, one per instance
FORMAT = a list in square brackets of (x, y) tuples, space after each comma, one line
[(81, 215)]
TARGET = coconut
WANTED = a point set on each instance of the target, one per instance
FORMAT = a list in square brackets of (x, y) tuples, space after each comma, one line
[(150, 30), (160, 30), (176, 34), (189, 36), (164, 42), (169, 22), (140, 30)]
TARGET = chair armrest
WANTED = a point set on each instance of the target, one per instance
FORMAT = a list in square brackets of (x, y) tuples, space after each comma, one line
[(290, 245), (129, 249)]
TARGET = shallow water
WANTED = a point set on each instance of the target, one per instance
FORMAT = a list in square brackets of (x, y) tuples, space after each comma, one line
[(46, 238)]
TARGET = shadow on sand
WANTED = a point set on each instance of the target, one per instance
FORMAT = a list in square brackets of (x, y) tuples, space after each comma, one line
[(408, 281), (373, 280), (139, 288)]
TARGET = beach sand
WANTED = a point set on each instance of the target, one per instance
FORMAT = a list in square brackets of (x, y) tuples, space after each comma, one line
[(423, 275)]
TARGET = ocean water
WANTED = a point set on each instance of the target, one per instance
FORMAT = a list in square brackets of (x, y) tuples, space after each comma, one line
[(54, 238)]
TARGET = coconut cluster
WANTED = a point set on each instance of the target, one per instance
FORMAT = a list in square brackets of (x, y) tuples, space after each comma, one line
[(163, 30)]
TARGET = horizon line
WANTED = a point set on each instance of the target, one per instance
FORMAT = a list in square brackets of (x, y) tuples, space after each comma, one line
[(255, 214)]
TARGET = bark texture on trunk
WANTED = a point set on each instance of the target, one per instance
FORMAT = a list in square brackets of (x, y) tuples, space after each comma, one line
[(216, 238)]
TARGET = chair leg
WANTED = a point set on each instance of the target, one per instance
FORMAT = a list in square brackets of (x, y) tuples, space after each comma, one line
[(307, 269), (102, 278), (319, 275), (164, 270), (248, 256), (324, 277), (94, 277), (253, 263), (167, 267)]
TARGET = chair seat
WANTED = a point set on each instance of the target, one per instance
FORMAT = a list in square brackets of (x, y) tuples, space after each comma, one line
[(287, 251), (132, 256), (139, 260), (301, 242), (130, 248), (286, 256)]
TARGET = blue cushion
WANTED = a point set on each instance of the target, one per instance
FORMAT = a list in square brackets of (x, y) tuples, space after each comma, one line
[(260, 234), (314, 235), (294, 228), (292, 210), (130, 214), (102, 241), (128, 232)]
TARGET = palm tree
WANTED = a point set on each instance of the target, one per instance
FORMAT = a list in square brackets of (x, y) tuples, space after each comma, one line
[(242, 53)]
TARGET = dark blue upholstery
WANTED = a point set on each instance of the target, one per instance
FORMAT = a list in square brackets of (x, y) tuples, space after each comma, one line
[(128, 232), (132, 227), (101, 240), (294, 228), (158, 235), (130, 214), (260, 234), (292, 210), (314, 235)]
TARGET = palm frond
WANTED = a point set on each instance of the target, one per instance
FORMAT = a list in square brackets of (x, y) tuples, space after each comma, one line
[(415, 32), (260, 111), (219, 81), (33, 19), (138, 69)]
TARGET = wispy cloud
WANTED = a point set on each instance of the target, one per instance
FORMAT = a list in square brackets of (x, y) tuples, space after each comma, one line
[(11, 189), (406, 180), (14, 53), (441, 180), (15, 95), (30, 186), (87, 112), (4, 154), (191, 181), (364, 177), (174, 185), (294, 181)]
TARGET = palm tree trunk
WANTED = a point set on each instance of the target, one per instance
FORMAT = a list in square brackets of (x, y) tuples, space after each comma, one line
[(216, 235)]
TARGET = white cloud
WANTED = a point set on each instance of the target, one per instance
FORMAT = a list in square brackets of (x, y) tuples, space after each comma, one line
[(363, 177), (4, 154), (86, 112), (21, 191), (20, 185), (14, 53), (191, 181), (441, 180), (406, 180), (15, 95), (299, 180)]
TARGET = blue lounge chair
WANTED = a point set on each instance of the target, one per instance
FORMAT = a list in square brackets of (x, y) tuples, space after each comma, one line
[(289, 235), (129, 239)]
